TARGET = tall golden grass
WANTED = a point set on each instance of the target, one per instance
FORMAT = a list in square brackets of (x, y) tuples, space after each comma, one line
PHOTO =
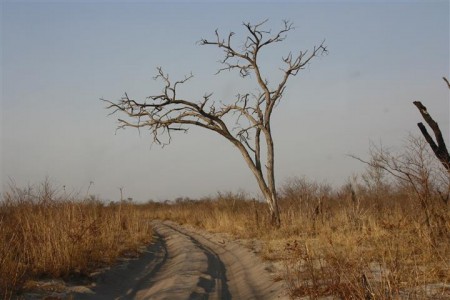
[(44, 233), (380, 236), (356, 242), (383, 235)]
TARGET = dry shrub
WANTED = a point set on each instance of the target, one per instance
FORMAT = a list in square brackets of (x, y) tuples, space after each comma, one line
[(384, 235), (44, 233), (377, 237), (227, 212), (366, 240)]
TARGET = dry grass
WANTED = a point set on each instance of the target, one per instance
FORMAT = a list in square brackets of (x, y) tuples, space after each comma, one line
[(364, 247), (44, 233), (357, 242), (381, 236), (384, 235), (346, 244)]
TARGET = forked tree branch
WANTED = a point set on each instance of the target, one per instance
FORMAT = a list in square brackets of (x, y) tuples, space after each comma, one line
[(246, 61), (439, 148)]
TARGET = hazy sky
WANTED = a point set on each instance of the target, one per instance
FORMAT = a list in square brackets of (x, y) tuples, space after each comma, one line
[(60, 57)]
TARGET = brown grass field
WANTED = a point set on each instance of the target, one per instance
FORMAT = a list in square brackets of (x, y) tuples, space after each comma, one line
[(46, 234), (373, 238), (336, 243)]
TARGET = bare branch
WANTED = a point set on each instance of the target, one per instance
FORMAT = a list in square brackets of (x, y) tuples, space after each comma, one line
[(446, 81), (293, 67), (439, 148)]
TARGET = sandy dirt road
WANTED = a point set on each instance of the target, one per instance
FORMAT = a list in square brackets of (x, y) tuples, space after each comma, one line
[(188, 264)]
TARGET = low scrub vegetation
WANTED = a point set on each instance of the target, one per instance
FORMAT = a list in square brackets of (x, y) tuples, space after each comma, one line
[(350, 243), (383, 235), (44, 233)]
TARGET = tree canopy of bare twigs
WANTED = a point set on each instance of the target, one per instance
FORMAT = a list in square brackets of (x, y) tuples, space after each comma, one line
[(168, 111)]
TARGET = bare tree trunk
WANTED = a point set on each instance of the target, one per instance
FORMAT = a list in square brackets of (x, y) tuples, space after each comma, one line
[(275, 212), (268, 190)]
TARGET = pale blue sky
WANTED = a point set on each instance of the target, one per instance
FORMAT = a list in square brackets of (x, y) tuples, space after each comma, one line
[(60, 57)]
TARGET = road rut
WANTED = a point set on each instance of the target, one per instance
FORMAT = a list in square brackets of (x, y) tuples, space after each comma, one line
[(188, 264)]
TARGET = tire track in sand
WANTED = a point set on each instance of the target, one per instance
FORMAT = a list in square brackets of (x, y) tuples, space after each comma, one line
[(192, 271), (188, 264)]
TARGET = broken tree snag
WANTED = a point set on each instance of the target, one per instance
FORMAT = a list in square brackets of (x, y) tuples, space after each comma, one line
[(438, 147)]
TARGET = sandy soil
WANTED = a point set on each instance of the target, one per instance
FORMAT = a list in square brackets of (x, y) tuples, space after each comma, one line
[(184, 263)]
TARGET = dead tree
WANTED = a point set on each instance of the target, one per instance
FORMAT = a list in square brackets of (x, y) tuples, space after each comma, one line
[(438, 147), (245, 121)]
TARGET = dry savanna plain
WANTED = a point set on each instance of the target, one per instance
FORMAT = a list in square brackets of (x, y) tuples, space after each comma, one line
[(377, 237), (382, 234)]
